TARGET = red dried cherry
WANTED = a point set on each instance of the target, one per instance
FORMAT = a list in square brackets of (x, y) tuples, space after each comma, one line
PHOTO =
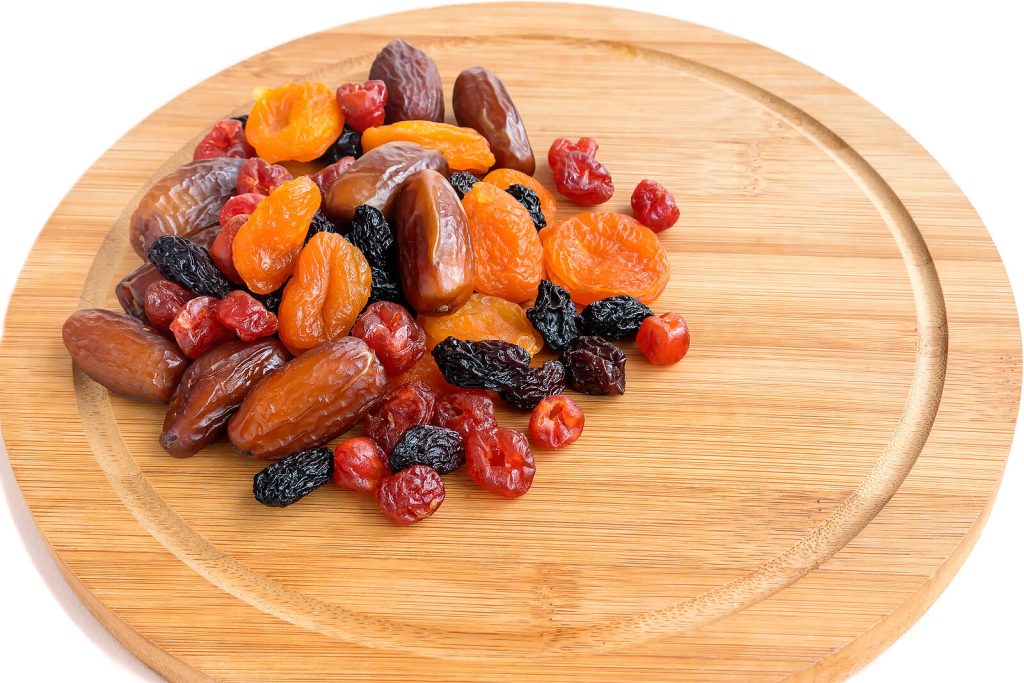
[(363, 104), (664, 339), (583, 179), (500, 461), (562, 146), (257, 175), (466, 411), (326, 176), (220, 249), (405, 406), (240, 204), (163, 301), (397, 339), (225, 139), (245, 316), (654, 206), (410, 495), (557, 421), (359, 465), (196, 328)]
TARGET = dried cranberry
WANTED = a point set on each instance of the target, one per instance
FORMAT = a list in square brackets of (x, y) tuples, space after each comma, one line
[(326, 176), (163, 301), (500, 461), (245, 316), (363, 104), (220, 250), (397, 339), (583, 179), (557, 421), (225, 139), (348, 144), (465, 411), (196, 328), (562, 146), (595, 366), (405, 406), (240, 204), (410, 495), (664, 339), (359, 465), (654, 206), (256, 175)]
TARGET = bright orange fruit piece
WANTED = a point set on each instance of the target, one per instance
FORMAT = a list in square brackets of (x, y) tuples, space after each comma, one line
[(507, 254), (484, 317), (506, 177), (463, 148), (425, 370), (297, 122), (266, 247)]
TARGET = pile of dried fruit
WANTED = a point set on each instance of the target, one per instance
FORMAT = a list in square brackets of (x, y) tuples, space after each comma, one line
[(393, 286)]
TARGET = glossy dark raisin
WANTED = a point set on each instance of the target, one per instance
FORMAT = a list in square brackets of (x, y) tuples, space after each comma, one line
[(321, 223), (533, 385), (595, 366), (435, 447), (243, 118), (530, 201), (270, 301), (554, 315), (463, 182), (286, 481), (617, 317), (348, 144), (185, 262), (371, 234), (488, 364)]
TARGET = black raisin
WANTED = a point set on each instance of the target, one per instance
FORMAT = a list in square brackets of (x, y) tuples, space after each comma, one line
[(271, 301), (595, 366), (371, 234), (348, 144), (617, 317), (532, 385), (487, 364), (185, 262), (554, 315), (286, 481), (530, 201), (321, 223), (244, 118), (435, 447), (463, 182)]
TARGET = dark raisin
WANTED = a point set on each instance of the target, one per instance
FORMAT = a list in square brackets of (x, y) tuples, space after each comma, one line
[(271, 301), (348, 144), (185, 262), (530, 201), (435, 447), (243, 118), (371, 234), (533, 385), (286, 481), (321, 223), (617, 317), (554, 315), (595, 366), (462, 182), (488, 364)]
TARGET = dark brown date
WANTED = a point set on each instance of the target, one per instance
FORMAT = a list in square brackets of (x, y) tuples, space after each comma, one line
[(377, 176), (413, 82), (124, 355), (309, 401), (435, 259), (482, 103), (212, 388)]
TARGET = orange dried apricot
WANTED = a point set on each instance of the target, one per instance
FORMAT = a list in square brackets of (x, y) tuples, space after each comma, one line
[(266, 247), (595, 255), (506, 177), (331, 284), (463, 148), (507, 254), (424, 370), (484, 317), (297, 122)]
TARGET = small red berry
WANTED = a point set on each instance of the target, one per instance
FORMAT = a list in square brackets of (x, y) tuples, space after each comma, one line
[(225, 139), (196, 328), (220, 249), (413, 494), (562, 146), (326, 176), (557, 421), (363, 104), (257, 175), (359, 465), (245, 316), (397, 339), (664, 339), (240, 204), (654, 206), (163, 301), (466, 411), (406, 406), (500, 461)]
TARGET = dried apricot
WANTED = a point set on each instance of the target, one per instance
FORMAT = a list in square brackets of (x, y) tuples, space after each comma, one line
[(485, 317), (297, 122), (595, 255), (265, 249), (507, 177), (425, 370), (463, 148), (507, 253)]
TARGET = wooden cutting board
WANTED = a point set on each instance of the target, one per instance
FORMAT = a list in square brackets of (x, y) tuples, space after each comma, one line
[(781, 505)]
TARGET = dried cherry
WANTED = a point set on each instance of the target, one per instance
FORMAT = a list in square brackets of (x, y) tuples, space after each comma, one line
[(595, 366), (394, 336), (257, 176), (363, 103), (240, 204), (186, 263), (131, 290), (220, 250), (500, 461), (245, 316), (614, 318), (465, 411), (288, 480), (410, 495), (664, 339), (360, 465), (196, 327), (557, 421), (225, 139), (583, 179), (401, 408), (163, 301), (436, 447), (553, 314), (562, 146), (654, 206)]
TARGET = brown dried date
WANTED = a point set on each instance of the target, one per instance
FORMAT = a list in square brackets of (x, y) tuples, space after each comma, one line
[(413, 83), (309, 401), (376, 177), (212, 388), (124, 355), (482, 103), (435, 259)]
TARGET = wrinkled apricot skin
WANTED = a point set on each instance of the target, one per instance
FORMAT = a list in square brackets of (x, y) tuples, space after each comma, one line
[(265, 249), (507, 177), (309, 401), (297, 122), (376, 177), (212, 388), (463, 148), (124, 355), (184, 201), (426, 371), (435, 260), (330, 286), (595, 255), (413, 83), (482, 103), (485, 317), (507, 253)]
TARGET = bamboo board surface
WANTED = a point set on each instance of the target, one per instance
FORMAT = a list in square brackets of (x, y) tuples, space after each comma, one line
[(781, 505)]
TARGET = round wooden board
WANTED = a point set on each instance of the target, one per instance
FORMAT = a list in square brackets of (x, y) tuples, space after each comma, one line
[(779, 506)]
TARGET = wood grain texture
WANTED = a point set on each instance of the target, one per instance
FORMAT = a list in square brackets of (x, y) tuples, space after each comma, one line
[(779, 506)]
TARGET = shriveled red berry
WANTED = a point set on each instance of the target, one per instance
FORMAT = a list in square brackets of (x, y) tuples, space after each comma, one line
[(500, 461), (413, 494), (359, 465), (583, 179), (220, 248), (245, 316), (326, 176), (403, 407), (363, 104), (225, 139), (240, 204), (654, 206), (257, 175), (196, 328), (397, 339), (556, 421), (163, 301), (664, 339), (466, 411), (562, 146)]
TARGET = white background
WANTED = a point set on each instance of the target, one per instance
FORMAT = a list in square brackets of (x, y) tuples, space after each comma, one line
[(76, 76)]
